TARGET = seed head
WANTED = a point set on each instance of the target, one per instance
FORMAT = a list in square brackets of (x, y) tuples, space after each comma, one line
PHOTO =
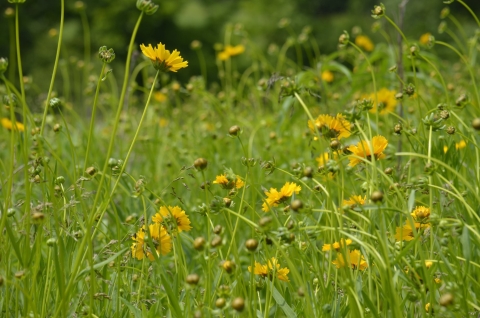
[(251, 244)]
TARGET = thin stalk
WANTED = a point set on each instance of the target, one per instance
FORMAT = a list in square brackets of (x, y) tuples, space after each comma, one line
[(55, 66)]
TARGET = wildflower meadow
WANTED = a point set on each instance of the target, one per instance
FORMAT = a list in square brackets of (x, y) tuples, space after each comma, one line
[(283, 182)]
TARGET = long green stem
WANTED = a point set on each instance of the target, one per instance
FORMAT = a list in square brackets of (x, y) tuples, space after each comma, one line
[(92, 119), (55, 66)]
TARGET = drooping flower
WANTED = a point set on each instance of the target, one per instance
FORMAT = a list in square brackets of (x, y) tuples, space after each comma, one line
[(224, 181), (331, 127), (328, 76), (337, 245), (386, 101), (8, 124), (162, 59), (354, 259), (176, 213), (230, 51), (364, 42), (160, 238), (354, 200), (275, 197), (269, 269), (362, 150)]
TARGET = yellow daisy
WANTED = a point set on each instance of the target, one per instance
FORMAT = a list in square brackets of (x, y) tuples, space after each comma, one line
[(420, 213), (181, 218), (160, 238), (362, 150), (327, 76), (275, 197), (331, 127), (230, 51), (386, 101), (405, 233), (162, 59), (354, 260), (425, 38), (354, 201)]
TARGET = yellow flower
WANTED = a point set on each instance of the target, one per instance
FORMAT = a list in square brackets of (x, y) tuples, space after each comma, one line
[(7, 124), (362, 150), (354, 259), (331, 127), (159, 97), (405, 233), (428, 264), (425, 38), (364, 42), (386, 101), (354, 200), (162, 59), (272, 267), (427, 307), (163, 122), (327, 76), (420, 213), (437, 280), (230, 51), (460, 145), (160, 238), (337, 245), (229, 184), (181, 218), (275, 197)]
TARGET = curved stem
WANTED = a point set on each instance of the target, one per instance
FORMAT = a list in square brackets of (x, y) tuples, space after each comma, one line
[(55, 66)]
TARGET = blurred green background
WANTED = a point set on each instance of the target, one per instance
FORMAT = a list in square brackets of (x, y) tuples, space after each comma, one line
[(178, 22)]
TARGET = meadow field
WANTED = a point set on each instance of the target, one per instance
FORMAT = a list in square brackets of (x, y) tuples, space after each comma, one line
[(287, 182)]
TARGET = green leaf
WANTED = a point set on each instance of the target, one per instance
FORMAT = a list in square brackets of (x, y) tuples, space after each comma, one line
[(173, 299), (411, 201), (465, 239), (135, 311), (281, 301)]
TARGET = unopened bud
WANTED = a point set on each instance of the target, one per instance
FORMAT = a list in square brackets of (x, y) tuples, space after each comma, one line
[(200, 163), (251, 244)]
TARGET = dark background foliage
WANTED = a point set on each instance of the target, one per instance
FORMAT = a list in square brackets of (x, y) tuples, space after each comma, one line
[(178, 22)]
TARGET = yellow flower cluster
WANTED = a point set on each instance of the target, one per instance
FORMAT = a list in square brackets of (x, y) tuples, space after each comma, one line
[(271, 268), (365, 43), (8, 124), (275, 197), (353, 259), (229, 183), (420, 216), (354, 201), (173, 218), (386, 101)]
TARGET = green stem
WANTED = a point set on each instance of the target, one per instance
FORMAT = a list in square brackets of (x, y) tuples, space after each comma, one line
[(55, 66), (92, 119), (471, 12)]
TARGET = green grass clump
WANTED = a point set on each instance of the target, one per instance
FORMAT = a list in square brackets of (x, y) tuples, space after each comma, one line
[(346, 188)]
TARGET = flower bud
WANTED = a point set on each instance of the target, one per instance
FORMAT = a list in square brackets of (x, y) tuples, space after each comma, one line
[(234, 130), (200, 163), (388, 171), (344, 38), (3, 65), (228, 266), (335, 144), (106, 55), (16, 1), (410, 89), (216, 241), (446, 300), (199, 243), (377, 196), (10, 100), (397, 129), (51, 241), (251, 244), (220, 303), (38, 216), (476, 124), (147, 6), (378, 11), (196, 45), (217, 229), (398, 96), (308, 172), (55, 103), (264, 221), (238, 304), (9, 12), (296, 205), (192, 279), (444, 13), (91, 171), (451, 130), (57, 127)]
